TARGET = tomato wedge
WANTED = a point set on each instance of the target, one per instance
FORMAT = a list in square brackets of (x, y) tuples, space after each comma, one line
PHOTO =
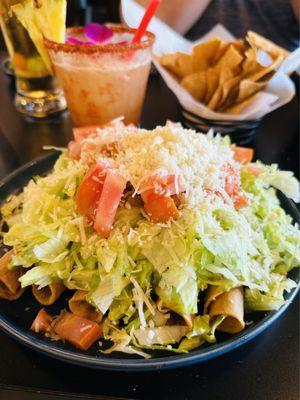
[(240, 200), (254, 169), (74, 150), (99, 195), (74, 146), (84, 132), (161, 185), (77, 330), (90, 189), (233, 187), (42, 322), (162, 209), (243, 155), (109, 201), (232, 180)]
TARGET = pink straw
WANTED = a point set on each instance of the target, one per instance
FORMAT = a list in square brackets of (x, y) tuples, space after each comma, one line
[(149, 13)]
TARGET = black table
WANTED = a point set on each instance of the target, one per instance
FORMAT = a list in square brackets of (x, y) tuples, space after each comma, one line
[(266, 368)]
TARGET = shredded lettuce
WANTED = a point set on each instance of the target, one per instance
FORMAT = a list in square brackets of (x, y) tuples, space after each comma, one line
[(121, 341), (51, 251), (177, 289), (103, 296), (282, 180), (79, 279), (108, 288), (44, 274), (169, 334), (122, 308), (203, 331), (272, 299)]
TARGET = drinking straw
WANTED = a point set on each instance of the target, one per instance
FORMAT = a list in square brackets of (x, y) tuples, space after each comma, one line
[(149, 13)]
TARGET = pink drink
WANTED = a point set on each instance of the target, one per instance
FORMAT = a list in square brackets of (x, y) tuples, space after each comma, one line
[(105, 81)]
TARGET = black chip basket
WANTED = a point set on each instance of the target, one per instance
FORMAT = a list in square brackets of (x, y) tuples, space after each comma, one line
[(240, 132)]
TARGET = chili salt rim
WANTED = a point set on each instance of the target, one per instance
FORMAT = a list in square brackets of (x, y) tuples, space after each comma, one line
[(101, 48)]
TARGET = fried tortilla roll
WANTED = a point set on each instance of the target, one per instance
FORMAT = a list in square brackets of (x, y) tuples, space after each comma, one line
[(228, 304), (10, 287), (48, 294), (188, 319), (79, 306)]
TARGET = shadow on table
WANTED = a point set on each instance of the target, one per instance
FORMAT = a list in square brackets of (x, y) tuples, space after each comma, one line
[(9, 159)]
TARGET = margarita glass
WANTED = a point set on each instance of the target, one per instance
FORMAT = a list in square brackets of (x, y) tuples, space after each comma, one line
[(103, 81)]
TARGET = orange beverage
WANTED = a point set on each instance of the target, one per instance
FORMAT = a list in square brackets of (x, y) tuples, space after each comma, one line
[(103, 81)]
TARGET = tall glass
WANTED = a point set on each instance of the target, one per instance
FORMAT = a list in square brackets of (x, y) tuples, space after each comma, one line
[(103, 82), (37, 93)]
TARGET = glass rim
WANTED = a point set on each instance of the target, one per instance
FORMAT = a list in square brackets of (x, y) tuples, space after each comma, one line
[(101, 48)]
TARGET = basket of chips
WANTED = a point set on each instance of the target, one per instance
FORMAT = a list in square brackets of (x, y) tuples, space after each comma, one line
[(221, 82), (226, 85)]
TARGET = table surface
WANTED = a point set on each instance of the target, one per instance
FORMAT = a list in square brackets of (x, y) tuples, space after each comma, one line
[(266, 368)]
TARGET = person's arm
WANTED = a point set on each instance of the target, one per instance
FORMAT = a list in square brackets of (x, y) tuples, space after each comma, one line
[(296, 8), (179, 14)]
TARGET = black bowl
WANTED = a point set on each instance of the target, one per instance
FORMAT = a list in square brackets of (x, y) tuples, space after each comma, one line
[(17, 316)]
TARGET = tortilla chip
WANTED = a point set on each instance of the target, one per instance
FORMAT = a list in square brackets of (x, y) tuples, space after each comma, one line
[(241, 92), (180, 64), (227, 67), (258, 41), (215, 99), (204, 53), (264, 71), (195, 84), (250, 65), (231, 59), (221, 51), (212, 80), (230, 100), (247, 88), (224, 75), (239, 45), (227, 89), (237, 108)]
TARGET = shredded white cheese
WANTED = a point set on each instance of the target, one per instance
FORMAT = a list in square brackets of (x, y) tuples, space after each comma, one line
[(140, 153)]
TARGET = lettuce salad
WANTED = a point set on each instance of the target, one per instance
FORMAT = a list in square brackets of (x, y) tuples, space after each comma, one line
[(147, 278)]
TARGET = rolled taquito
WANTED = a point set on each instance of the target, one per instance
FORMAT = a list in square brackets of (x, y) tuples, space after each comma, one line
[(229, 304), (10, 287), (189, 321), (48, 294), (79, 306)]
